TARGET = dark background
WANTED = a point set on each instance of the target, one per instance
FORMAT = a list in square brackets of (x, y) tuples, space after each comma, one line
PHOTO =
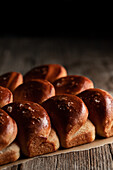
[(57, 32), (65, 20), (53, 29), (64, 26)]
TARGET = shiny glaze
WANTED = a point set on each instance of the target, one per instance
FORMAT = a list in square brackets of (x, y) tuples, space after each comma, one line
[(11, 80), (48, 72), (73, 84), (65, 112), (33, 125), (4, 120), (100, 106), (8, 129), (36, 91), (6, 96), (30, 117)]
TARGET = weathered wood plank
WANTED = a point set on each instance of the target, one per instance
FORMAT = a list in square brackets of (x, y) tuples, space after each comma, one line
[(97, 158)]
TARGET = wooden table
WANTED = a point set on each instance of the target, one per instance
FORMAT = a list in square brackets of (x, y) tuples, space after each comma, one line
[(93, 59)]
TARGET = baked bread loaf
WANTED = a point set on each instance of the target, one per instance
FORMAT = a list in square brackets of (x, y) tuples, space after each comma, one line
[(34, 128), (100, 106), (35, 91), (49, 72), (5, 96), (73, 84), (69, 114), (11, 80), (10, 154), (52, 142), (8, 129)]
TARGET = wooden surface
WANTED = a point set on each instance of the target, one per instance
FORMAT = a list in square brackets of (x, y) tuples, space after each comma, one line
[(93, 59)]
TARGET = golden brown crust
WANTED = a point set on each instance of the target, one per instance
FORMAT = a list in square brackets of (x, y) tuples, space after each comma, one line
[(51, 144), (53, 139), (6, 96), (67, 112), (11, 80), (49, 72), (35, 91), (85, 134), (10, 154), (100, 106), (73, 84), (8, 129), (33, 125)]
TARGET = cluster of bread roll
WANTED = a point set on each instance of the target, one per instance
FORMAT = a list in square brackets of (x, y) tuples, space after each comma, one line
[(45, 110)]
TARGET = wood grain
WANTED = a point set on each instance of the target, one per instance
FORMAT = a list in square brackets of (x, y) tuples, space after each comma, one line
[(93, 59)]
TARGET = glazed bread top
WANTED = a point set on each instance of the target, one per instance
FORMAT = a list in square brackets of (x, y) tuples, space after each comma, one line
[(35, 91), (5, 96), (67, 112), (8, 129), (11, 80), (29, 114), (50, 72), (100, 106), (33, 124), (73, 84)]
